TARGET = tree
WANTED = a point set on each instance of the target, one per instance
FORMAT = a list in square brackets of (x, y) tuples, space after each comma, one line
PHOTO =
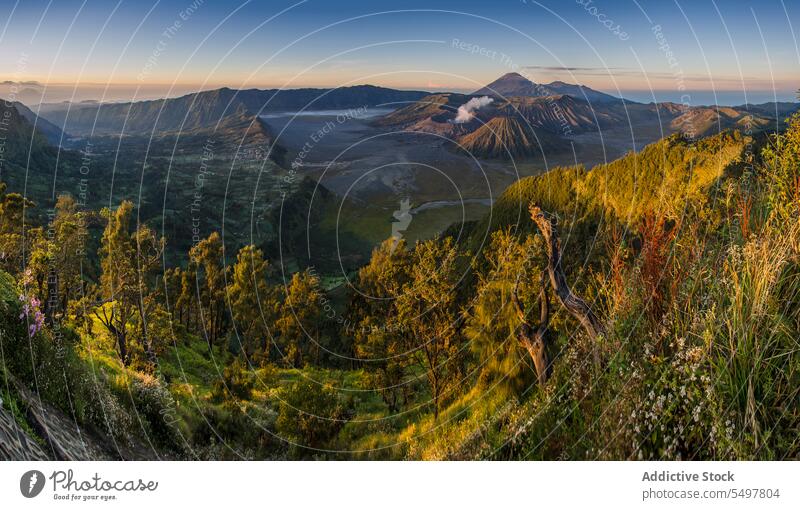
[(251, 300), (172, 290), (207, 258), (532, 336), (180, 292), (427, 316), (236, 381), (118, 278), (55, 256), (149, 249), (40, 261), (127, 263), (12, 234), (573, 303), (310, 414), (187, 301), (372, 307), (160, 331), (70, 233), (299, 321), (782, 167), (493, 322)]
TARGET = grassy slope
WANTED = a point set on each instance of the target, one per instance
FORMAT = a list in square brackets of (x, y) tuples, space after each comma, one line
[(666, 175)]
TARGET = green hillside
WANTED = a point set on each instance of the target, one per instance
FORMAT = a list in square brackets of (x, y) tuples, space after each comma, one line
[(685, 255)]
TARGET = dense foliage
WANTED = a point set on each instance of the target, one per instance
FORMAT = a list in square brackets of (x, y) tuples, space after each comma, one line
[(689, 251)]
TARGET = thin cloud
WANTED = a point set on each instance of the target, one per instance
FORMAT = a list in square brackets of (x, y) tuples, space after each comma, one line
[(571, 69), (626, 71)]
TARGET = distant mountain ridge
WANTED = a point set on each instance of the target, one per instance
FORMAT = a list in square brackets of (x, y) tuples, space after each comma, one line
[(204, 110), (559, 112), (556, 111), (516, 85)]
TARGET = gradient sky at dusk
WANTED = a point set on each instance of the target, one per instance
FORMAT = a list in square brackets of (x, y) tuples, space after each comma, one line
[(719, 49)]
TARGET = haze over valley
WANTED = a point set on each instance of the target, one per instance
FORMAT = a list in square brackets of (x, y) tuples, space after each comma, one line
[(356, 153)]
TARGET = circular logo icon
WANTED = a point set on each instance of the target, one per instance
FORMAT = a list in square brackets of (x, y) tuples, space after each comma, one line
[(31, 483)]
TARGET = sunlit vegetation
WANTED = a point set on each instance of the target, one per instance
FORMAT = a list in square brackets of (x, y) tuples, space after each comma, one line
[(688, 252)]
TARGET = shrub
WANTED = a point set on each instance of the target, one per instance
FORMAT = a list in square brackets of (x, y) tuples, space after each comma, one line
[(237, 382), (310, 414), (152, 401)]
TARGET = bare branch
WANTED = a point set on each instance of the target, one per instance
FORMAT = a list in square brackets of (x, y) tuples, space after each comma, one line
[(574, 304)]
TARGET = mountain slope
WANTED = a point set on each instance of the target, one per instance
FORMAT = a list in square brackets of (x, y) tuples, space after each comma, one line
[(581, 92), (438, 112), (505, 137), (559, 113), (437, 107), (771, 109), (189, 112), (24, 148), (50, 131), (29, 163), (667, 176), (431, 114), (516, 127), (512, 84), (709, 119)]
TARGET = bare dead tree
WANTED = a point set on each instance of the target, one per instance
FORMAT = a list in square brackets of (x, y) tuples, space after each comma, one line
[(575, 305), (531, 337)]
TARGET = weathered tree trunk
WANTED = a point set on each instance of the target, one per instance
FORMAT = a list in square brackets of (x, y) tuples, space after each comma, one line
[(122, 343), (574, 304), (533, 338)]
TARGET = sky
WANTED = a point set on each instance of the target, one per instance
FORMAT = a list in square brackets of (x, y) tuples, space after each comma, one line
[(698, 51)]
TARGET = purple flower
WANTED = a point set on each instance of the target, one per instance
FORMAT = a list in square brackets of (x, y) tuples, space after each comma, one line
[(31, 312)]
